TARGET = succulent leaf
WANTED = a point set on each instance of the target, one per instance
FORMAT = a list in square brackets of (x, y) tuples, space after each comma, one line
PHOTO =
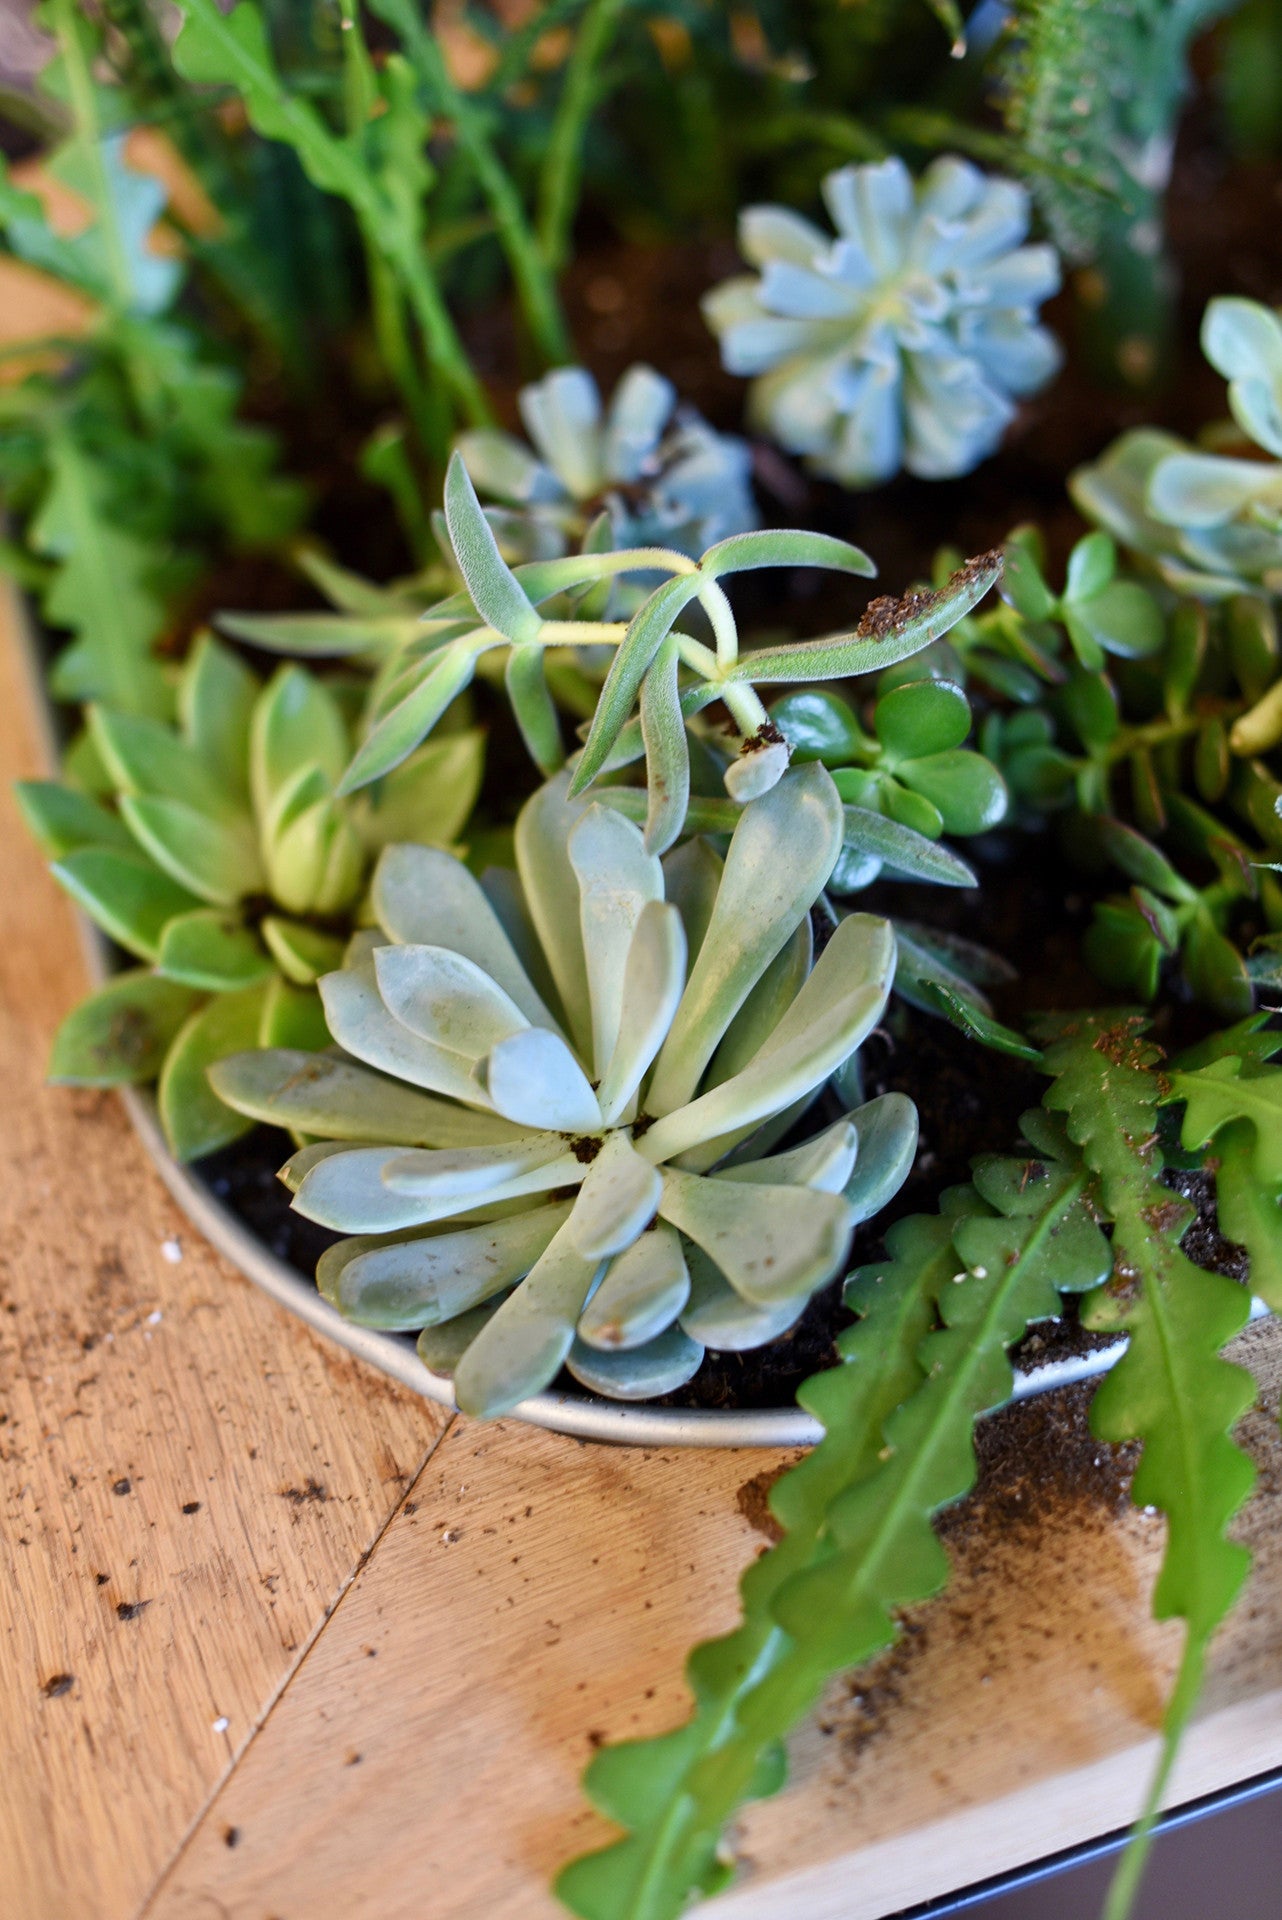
[(119, 1036), (195, 1120)]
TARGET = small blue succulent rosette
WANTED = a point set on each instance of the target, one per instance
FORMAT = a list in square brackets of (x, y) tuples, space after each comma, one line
[(659, 473), (905, 340)]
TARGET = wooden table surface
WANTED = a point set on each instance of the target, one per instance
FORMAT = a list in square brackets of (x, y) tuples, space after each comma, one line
[(280, 1639)]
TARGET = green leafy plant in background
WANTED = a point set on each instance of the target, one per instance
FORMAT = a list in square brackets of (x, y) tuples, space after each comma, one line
[(587, 1177), (217, 853), (1092, 97), (130, 471)]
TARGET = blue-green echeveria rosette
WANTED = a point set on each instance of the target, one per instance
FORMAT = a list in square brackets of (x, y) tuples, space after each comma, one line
[(903, 341), (550, 1127), (660, 473), (1210, 523)]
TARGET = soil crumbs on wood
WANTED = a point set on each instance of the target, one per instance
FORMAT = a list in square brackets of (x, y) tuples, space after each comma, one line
[(1042, 1475)]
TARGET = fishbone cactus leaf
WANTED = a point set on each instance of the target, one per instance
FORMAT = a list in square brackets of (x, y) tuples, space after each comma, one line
[(897, 1415), (1171, 1388), (571, 1147)]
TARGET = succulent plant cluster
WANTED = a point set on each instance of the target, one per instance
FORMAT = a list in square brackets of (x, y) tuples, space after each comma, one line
[(552, 1125), (1209, 522), (217, 852), (575, 1076), (903, 341)]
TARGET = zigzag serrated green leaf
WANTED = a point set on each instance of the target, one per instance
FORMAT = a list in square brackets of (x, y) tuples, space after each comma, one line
[(102, 590), (1171, 1389), (898, 1420)]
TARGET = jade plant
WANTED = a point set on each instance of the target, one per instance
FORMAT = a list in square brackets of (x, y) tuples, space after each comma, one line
[(588, 1176), (906, 339), (218, 854)]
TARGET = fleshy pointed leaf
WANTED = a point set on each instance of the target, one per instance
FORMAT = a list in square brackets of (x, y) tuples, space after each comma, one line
[(520, 1351), (617, 880), (722, 1320), (325, 1094), (653, 979), (362, 1026), (426, 897), (213, 950), (551, 891), (618, 1199), (661, 1365), (62, 820), (446, 998), (667, 753), (532, 1078), (643, 1290), (772, 1243), (784, 547), (125, 895), (838, 1006), (496, 593), (635, 656), (195, 1120), (782, 852)]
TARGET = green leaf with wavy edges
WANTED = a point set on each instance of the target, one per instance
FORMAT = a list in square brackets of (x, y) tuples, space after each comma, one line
[(1171, 1389), (102, 590), (898, 1417), (1216, 1095)]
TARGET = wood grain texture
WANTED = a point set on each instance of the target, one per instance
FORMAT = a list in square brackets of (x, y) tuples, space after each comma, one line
[(533, 1597), (187, 1477)]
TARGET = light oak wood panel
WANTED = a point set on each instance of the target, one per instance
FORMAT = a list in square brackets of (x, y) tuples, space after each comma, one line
[(533, 1597), (187, 1477)]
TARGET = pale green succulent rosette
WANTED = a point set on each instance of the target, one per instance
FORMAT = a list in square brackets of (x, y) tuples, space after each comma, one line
[(218, 854), (1210, 524), (550, 1129)]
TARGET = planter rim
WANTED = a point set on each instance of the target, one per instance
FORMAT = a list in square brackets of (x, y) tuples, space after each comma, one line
[(583, 1416)]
